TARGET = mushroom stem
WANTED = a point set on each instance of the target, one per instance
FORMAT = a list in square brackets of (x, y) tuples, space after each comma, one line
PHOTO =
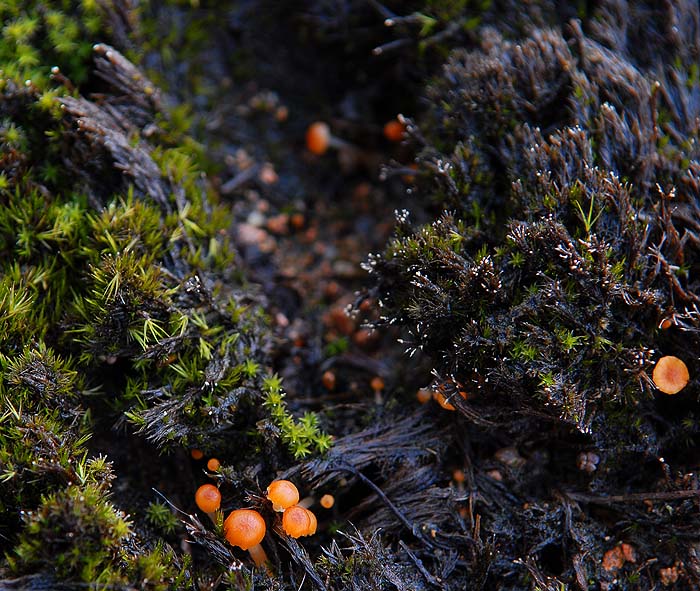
[(338, 144), (257, 553), (214, 516), (306, 502)]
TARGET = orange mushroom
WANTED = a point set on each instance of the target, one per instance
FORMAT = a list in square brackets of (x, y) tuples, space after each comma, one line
[(377, 384), (208, 499), (394, 130), (213, 465), (319, 138), (459, 477), (670, 375), (282, 494), (298, 521), (423, 395), (197, 454), (442, 400), (313, 523), (326, 501), (245, 529), (328, 379), (297, 220)]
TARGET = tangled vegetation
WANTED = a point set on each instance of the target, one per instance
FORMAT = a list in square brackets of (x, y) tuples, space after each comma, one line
[(158, 223)]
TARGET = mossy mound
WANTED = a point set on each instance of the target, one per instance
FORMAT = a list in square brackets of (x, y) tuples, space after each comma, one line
[(563, 267)]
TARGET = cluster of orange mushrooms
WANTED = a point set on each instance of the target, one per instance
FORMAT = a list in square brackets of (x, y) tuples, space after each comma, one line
[(246, 528)]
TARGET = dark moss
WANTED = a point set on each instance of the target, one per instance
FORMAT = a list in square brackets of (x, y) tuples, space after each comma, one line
[(569, 244)]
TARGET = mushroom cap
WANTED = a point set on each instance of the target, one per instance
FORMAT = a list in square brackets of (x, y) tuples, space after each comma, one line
[(394, 130), (328, 379), (376, 383), (442, 401), (297, 521), (282, 494), (327, 501), (423, 395), (670, 374), (313, 523), (213, 464), (244, 528), (208, 498), (318, 137)]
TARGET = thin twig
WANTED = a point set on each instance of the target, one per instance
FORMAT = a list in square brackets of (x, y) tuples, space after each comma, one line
[(393, 508), (419, 565), (240, 179)]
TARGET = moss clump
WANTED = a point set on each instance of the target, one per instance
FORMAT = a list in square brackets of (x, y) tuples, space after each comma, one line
[(40, 35), (303, 436), (560, 268), (115, 255), (74, 531), (145, 275), (542, 288), (77, 535)]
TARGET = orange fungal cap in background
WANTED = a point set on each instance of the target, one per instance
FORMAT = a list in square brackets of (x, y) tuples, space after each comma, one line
[(327, 501), (394, 130), (318, 137), (208, 498), (670, 375)]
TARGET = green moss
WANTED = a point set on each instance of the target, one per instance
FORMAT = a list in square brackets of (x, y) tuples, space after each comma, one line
[(562, 275), (37, 36), (161, 517), (76, 533), (160, 569), (303, 436), (95, 273)]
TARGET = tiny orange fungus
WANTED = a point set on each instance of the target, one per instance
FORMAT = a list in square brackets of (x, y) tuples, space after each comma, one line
[(394, 130), (318, 138), (670, 375), (246, 528), (298, 521), (282, 494)]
